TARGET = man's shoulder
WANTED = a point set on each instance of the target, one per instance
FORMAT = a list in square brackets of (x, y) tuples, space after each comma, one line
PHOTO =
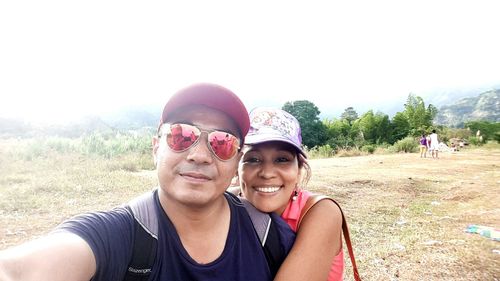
[(143, 209), (233, 199)]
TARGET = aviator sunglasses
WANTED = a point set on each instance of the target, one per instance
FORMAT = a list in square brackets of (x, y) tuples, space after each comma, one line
[(180, 137)]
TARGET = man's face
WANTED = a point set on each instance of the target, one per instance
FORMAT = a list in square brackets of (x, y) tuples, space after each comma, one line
[(195, 176)]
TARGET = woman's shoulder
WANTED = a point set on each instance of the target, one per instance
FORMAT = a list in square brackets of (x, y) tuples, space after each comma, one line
[(321, 209), (325, 205)]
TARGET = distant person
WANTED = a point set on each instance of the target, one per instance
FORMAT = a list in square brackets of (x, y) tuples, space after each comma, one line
[(434, 146), (423, 146), (272, 174), (199, 231)]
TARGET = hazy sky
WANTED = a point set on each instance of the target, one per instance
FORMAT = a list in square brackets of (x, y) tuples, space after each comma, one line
[(61, 59)]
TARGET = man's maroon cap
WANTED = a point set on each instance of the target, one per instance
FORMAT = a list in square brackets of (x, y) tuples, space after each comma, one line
[(213, 96)]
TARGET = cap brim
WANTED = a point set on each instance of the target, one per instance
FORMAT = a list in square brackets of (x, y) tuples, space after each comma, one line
[(261, 138)]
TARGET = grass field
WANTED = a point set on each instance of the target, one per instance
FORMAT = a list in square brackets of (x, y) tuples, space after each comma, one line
[(406, 215)]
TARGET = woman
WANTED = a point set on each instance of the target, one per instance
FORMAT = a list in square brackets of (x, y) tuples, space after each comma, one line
[(423, 146), (271, 173)]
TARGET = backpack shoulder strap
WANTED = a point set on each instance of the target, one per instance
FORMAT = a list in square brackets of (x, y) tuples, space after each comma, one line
[(269, 236), (261, 221), (145, 237), (311, 201)]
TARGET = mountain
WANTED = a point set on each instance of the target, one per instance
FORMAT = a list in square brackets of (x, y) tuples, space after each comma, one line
[(484, 107), (139, 119), (134, 117), (18, 128)]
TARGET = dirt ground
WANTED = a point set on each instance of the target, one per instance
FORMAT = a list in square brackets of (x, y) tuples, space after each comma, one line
[(406, 215)]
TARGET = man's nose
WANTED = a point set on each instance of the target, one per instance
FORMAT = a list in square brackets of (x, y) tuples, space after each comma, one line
[(201, 153)]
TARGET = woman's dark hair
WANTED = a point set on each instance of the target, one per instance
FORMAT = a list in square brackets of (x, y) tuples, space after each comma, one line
[(304, 165)]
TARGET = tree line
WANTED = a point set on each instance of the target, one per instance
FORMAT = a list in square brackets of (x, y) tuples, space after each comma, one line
[(372, 129)]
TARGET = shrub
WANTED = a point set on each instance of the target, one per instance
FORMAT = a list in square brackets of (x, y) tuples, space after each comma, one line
[(61, 145), (476, 141), (348, 152), (109, 147), (33, 150), (369, 148), (408, 144), (324, 151), (382, 150)]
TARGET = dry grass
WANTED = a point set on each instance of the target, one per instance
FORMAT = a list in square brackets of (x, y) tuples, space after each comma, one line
[(407, 215), (37, 194)]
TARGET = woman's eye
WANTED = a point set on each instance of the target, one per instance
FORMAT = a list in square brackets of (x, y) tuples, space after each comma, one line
[(282, 159), (252, 160)]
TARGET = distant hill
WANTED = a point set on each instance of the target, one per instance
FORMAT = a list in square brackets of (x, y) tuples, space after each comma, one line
[(17, 128), (133, 118), (484, 107), (452, 113)]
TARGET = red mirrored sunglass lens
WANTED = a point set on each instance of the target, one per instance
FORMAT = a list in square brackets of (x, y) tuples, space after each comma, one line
[(181, 136), (224, 145)]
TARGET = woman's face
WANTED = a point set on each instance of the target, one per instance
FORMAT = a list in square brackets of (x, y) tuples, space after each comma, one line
[(269, 173)]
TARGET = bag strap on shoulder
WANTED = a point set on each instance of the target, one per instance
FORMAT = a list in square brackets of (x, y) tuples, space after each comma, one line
[(261, 221), (268, 235), (311, 201), (145, 238)]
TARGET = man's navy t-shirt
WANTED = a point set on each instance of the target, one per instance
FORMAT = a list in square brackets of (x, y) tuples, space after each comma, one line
[(111, 235)]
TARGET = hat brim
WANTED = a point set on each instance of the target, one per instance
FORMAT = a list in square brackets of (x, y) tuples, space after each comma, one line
[(262, 138)]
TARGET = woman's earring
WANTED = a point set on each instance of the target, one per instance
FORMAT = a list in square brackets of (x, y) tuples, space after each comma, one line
[(295, 194)]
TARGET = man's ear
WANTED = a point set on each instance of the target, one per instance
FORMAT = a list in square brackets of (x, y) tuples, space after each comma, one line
[(156, 144)]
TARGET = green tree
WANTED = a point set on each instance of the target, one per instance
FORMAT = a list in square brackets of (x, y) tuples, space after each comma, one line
[(418, 116), (488, 130), (337, 133), (374, 127), (384, 130), (366, 124), (313, 130), (400, 127), (349, 114)]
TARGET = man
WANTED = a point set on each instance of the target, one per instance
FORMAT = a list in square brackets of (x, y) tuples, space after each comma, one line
[(202, 233), (434, 147)]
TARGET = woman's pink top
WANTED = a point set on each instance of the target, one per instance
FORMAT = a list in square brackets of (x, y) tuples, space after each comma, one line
[(292, 214)]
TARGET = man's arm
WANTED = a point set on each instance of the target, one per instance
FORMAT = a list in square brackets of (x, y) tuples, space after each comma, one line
[(60, 256)]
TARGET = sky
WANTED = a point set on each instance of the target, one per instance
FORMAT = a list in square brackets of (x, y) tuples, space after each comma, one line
[(60, 60)]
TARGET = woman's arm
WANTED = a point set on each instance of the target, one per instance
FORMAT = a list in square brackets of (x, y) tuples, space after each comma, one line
[(319, 240)]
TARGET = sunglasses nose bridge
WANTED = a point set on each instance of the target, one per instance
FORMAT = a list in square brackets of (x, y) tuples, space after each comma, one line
[(200, 150)]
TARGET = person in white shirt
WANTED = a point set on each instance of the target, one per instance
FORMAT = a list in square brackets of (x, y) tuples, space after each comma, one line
[(434, 148)]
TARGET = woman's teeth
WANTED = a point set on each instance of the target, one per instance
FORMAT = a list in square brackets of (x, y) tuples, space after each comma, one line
[(268, 189)]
